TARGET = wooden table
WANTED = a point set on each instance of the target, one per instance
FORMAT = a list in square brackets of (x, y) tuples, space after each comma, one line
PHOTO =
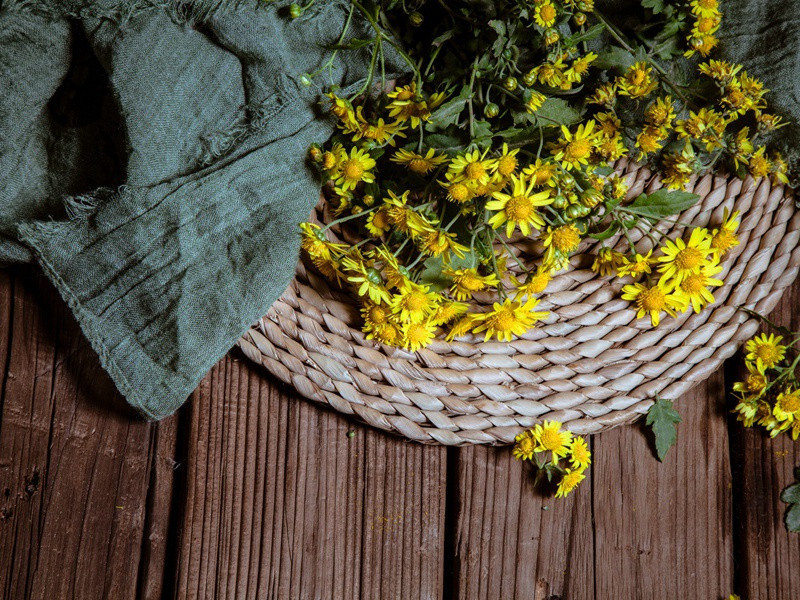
[(251, 492)]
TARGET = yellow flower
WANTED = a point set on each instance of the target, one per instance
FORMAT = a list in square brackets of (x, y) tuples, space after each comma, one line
[(579, 454), (506, 164), (343, 110), (639, 265), (418, 335), (605, 95), (473, 168), (787, 406), (559, 243), (535, 102), (414, 302), (680, 259), (375, 315), (746, 411), (637, 81), (407, 105), (660, 113), (354, 169), (535, 283), (551, 438), (418, 163), (574, 149), (694, 289), (678, 167), (545, 14), (607, 261), (569, 482), (540, 172), (380, 132), (316, 245), (467, 281), (724, 238), (525, 447), (518, 209), (580, 66), (651, 300), (367, 279), (755, 382), (448, 311), (759, 165), (508, 319), (457, 190), (766, 350), (388, 334), (440, 242), (719, 70), (378, 221), (705, 125), (649, 140)]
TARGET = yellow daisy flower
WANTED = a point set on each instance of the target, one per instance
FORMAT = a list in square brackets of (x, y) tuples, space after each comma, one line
[(608, 261), (414, 302), (366, 279), (755, 382), (579, 455), (569, 482), (467, 281), (473, 167), (508, 319), (651, 300), (680, 259), (787, 406), (540, 172), (575, 149), (535, 283), (518, 209), (766, 350), (378, 222), (375, 315), (694, 289), (448, 310), (559, 243), (551, 438), (315, 244), (418, 335), (439, 242), (418, 163), (354, 169), (534, 102), (724, 238), (637, 266), (388, 334), (506, 164), (759, 165), (525, 446), (545, 14), (637, 82)]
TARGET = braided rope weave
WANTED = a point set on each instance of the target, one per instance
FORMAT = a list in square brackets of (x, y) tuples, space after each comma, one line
[(591, 364)]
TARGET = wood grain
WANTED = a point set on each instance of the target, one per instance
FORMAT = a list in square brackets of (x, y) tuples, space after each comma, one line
[(514, 542), (767, 556), (251, 492), (282, 503), (74, 470), (664, 530)]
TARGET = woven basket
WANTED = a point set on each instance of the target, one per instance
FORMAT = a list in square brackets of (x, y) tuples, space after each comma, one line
[(591, 364)]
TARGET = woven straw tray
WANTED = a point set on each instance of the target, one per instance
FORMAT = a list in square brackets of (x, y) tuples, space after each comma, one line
[(591, 364)]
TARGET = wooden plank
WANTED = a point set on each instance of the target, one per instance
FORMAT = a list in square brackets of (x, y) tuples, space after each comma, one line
[(282, 503), (665, 530), (513, 542), (767, 556), (74, 468)]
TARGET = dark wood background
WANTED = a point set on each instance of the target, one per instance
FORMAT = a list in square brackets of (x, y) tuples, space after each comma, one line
[(252, 492)]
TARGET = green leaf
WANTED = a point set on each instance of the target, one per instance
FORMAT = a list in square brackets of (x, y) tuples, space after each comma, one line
[(448, 113), (432, 273), (587, 35), (791, 496), (662, 418), (607, 233), (662, 203), (614, 58), (656, 6), (555, 112)]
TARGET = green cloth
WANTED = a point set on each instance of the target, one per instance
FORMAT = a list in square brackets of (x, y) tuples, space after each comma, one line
[(178, 132)]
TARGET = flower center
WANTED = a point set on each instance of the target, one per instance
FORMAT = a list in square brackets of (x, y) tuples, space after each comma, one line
[(538, 283), (416, 334), (506, 165), (791, 403), (693, 284), (352, 169), (519, 208), (755, 382), (471, 282), (551, 440), (504, 321), (416, 301), (652, 299), (377, 315), (526, 445), (548, 13), (578, 149), (380, 219), (768, 354), (475, 171), (688, 259), (419, 165), (566, 239), (459, 192), (723, 240)]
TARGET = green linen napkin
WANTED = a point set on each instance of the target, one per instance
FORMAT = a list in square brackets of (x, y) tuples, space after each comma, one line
[(204, 105)]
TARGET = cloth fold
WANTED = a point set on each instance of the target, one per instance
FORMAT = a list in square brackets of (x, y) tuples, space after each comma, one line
[(195, 235)]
